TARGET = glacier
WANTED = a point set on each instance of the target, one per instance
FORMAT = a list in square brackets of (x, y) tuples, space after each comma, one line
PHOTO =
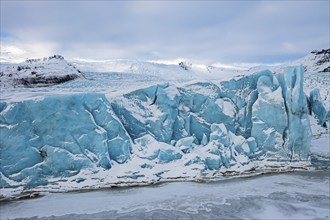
[(157, 133)]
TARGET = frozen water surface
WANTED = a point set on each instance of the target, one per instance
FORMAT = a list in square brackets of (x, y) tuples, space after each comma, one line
[(296, 195)]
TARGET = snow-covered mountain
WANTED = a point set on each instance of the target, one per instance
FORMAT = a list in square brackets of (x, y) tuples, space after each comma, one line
[(54, 69), (173, 71), (315, 61), (38, 72)]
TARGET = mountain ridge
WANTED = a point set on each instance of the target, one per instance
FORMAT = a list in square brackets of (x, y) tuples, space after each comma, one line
[(38, 72), (315, 61), (55, 69)]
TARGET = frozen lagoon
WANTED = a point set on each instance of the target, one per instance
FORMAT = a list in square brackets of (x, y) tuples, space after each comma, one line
[(295, 195)]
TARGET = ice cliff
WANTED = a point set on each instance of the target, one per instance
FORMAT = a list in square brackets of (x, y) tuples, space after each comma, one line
[(158, 132)]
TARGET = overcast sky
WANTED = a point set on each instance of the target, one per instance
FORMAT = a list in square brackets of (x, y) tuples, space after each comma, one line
[(207, 31)]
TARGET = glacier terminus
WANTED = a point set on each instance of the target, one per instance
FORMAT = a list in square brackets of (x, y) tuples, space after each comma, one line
[(158, 133)]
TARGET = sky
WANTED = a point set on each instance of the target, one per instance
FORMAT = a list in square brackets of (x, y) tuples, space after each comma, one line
[(205, 31)]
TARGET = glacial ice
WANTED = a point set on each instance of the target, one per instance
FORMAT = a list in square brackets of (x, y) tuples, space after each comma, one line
[(269, 117), (59, 136), (317, 107), (200, 126)]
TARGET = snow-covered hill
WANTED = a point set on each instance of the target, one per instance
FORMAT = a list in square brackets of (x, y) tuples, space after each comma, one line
[(38, 72)]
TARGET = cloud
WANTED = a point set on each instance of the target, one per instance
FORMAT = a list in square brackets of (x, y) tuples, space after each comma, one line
[(16, 51), (214, 31)]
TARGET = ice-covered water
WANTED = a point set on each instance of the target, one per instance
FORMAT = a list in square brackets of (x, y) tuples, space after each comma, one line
[(297, 195)]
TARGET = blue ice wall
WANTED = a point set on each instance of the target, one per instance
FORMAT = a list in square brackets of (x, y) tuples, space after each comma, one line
[(298, 134), (257, 117), (269, 118), (60, 135)]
